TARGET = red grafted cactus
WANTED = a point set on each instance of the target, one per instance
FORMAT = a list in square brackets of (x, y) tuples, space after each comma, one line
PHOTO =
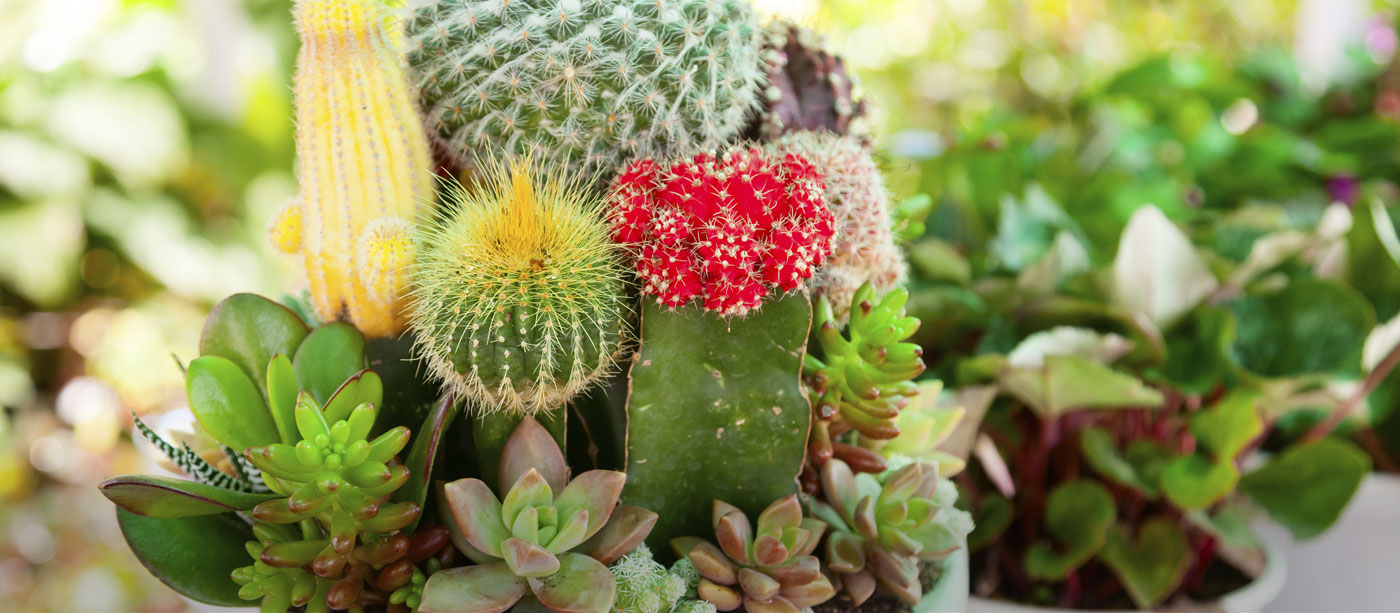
[(723, 229)]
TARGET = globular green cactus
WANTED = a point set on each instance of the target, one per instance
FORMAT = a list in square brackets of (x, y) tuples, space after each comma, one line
[(594, 82), (519, 299), (766, 568), (864, 378), (549, 540), (881, 531)]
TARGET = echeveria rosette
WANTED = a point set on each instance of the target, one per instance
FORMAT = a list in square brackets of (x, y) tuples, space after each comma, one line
[(880, 532), (770, 569), (550, 549), (864, 377)]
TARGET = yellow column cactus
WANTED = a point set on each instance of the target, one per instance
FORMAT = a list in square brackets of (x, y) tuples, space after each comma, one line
[(362, 162)]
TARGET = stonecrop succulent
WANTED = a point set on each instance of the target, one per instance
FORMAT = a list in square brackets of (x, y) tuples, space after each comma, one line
[(881, 531), (865, 377), (548, 541), (589, 83), (362, 165), (725, 228), (519, 298), (764, 569), (808, 86)]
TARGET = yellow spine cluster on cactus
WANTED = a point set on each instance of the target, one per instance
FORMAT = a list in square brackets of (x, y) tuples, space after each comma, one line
[(362, 162)]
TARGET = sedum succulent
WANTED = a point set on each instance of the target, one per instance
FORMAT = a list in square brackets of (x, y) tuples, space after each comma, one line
[(519, 299), (764, 569), (865, 377), (279, 587), (548, 541), (880, 531)]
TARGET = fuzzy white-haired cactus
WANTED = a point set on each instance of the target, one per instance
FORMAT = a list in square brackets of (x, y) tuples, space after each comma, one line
[(590, 82), (863, 249), (362, 164)]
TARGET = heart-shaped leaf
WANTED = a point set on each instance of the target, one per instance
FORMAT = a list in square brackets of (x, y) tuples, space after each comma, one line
[(1198, 350), (330, 354), (1306, 487), (154, 496), (423, 453), (483, 588), (1067, 382), (1196, 482), (227, 405), (1372, 239), (582, 585), (1102, 454), (1308, 327), (248, 330), (1228, 425), (990, 520), (1078, 515), (1153, 567), (192, 555), (1157, 271)]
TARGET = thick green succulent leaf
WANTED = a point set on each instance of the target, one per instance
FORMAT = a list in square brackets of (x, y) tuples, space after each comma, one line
[(1102, 453), (527, 559), (1195, 481), (529, 491), (154, 496), (626, 529), (483, 588), (1078, 515), (712, 397), (1308, 327), (1228, 425), (582, 585), (1153, 567), (330, 354), (227, 405), (491, 433), (282, 392), (1068, 382), (248, 330), (531, 446), (595, 491), (1306, 487), (361, 387), (192, 555), (478, 514), (423, 453)]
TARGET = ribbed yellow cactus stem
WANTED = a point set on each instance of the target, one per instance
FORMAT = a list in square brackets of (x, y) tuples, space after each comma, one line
[(362, 161)]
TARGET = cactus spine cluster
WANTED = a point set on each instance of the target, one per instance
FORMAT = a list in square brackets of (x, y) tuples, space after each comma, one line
[(594, 82), (864, 248), (362, 162), (519, 299)]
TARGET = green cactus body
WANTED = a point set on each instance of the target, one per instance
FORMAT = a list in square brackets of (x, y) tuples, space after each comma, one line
[(592, 81), (519, 300)]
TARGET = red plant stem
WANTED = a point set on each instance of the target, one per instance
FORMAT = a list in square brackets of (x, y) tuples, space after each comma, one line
[(1373, 445), (1368, 385)]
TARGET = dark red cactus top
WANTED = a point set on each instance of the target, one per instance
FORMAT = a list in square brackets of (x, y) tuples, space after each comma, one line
[(722, 229)]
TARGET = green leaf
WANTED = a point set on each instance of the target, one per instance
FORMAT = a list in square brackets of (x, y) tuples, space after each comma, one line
[(711, 398), (936, 260), (282, 397), (1373, 252), (1157, 271), (227, 405), (582, 585), (248, 330), (154, 496), (1153, 567), (1068, 382), (1198, 350), (483, 588), (364, 386), (1308, 327), (1077, 514), (1228, 425), (192, 555), (1306, 487), (422, 454), (1230, 524), (330, 354), (1196, 482), (1102, 454)]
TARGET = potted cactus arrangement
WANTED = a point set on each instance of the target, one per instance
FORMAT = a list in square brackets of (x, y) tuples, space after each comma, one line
[(603, 313)]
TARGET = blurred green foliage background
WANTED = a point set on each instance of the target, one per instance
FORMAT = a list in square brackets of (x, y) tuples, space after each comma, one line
[(145, 143)]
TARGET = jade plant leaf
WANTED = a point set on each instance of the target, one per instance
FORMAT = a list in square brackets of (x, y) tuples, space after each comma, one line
[(227, 405), (1078, 515), (330, 354), (483, 588), (716, 412), (248, 330), (423, 453), (282, 393), (1306, 487), (582, 585), (1308, 327), (1153, 567), (154, 496), (1102, 454), (1196, 482), (192, 555), (1228, 425), (1068, 382)]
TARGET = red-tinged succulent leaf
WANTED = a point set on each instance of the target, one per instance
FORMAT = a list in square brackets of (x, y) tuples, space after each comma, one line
[(527, 525), (192, 555), (794, 538), (291, 554), (530, 490), (682, 545), (735, 535), (718, 510), (898, 575), (758, 585), (530, 604), (582, 585), (800, 571), (815, 528), (899, 543), (478, 514), (532, 446), (902, 484), (810, 593), (769, 551), (361, 387), (275, 512), (839, 488), (597, 491), (327, 357), (929, 481), (845, 552), (864, 518), (786, 512), (154, 496), (527, 559), (368, 474), (393, 517), (724, 598), (423, 454), (454, 531), (858, 586), (891, 514), (712, 564), (776, 604), (385, 446), (626, 529), (382, 551), (484, 588), (570, 532)]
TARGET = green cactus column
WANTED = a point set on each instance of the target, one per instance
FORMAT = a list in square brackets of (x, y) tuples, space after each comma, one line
[(716, 412)]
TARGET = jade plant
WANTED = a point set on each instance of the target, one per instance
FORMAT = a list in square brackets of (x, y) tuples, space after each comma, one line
[(548, 540)]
